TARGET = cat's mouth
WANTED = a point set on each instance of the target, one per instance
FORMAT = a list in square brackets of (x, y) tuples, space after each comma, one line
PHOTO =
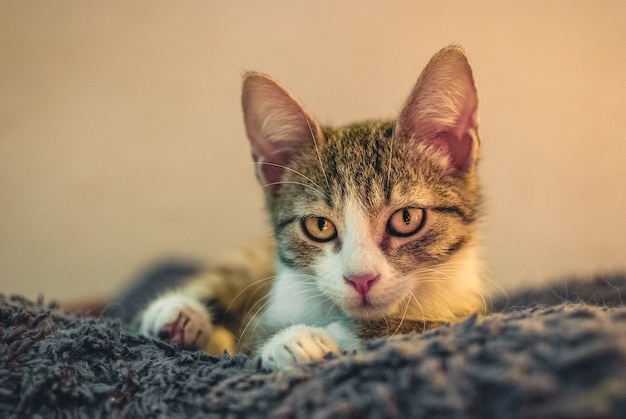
[(366, 307)]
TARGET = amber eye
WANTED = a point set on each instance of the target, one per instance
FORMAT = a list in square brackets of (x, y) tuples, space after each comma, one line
[(406, 222), (319, 229)]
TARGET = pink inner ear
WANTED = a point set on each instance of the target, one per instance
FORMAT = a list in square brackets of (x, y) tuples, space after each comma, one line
[(442, 109), (278, 128), (459, 150), (272, 170)]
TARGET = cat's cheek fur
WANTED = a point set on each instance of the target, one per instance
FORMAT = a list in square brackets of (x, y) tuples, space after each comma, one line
[(450, 290)]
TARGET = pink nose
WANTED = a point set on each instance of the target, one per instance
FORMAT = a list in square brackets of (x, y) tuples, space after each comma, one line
[(362, 283)]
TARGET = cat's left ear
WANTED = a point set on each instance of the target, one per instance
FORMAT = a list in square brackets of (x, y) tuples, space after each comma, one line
[(442, 109), (278, 127)]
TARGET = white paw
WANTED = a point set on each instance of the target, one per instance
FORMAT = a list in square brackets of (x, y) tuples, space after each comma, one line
[(297, 345), (179, 319)]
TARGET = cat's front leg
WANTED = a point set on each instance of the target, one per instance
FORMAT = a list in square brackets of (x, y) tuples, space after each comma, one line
[(179, 319), (297, 345)]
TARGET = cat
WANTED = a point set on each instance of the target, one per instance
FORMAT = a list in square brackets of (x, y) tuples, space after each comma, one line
[(375, 228)]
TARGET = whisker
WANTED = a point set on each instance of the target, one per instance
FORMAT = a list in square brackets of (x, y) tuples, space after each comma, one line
[(317, 150), (388, 185), (289, 169), (314, 185), (252, 318), (484, 300), (285, 182), (406, 309), (257, 318), (259, 313), (330, 307), (281, 166), (487, 277), (419, 306), (263, 304), (387, 325), (435, 281), (257, 282), (434, 276)]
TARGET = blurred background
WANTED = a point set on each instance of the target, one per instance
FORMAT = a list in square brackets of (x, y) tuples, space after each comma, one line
[(121, 136)]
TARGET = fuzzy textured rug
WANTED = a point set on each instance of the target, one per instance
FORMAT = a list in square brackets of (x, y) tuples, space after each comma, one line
[(556, 352)]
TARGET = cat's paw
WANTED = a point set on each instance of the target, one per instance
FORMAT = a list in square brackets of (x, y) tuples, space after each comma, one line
[(179, 319), (297, 345)]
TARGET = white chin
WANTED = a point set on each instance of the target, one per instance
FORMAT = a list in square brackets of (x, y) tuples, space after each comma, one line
[(368, 310)]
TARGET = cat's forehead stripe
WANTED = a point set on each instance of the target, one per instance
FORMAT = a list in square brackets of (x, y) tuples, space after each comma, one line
[(358, 158)]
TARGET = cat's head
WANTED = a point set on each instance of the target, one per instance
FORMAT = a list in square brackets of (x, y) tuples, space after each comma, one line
[(380, 217)]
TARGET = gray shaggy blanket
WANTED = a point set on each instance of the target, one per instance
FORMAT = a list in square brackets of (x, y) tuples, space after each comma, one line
[(559, 352)]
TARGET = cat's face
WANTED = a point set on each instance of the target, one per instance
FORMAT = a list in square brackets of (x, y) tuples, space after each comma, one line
[(369, 219), (378, 217)]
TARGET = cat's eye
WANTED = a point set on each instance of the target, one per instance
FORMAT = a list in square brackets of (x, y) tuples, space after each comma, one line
[(406, 222), (319, 229)]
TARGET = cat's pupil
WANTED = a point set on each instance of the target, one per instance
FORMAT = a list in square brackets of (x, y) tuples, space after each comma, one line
[(319, 229), (406, 217)]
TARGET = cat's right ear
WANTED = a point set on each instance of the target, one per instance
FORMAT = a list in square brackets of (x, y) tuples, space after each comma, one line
[(277, 125), (442, 110)]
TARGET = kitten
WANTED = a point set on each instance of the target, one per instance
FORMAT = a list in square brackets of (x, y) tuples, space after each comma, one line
[(374, 225)]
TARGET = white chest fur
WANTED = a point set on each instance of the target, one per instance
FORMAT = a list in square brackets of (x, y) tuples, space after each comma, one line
[(295, 299)]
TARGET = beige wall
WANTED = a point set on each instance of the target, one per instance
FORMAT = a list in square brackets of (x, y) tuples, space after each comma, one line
[(121, 138)]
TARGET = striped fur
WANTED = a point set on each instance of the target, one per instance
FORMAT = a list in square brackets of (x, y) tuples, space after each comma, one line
[(340, 200)]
